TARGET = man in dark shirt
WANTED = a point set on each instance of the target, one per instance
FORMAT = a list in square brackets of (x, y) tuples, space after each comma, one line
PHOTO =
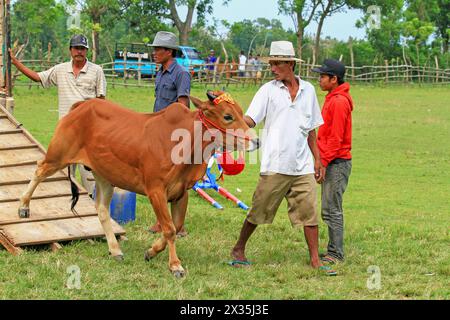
[(173, 84), (211, 60)]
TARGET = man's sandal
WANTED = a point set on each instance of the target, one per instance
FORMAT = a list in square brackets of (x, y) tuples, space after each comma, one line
[(239, 263), (326, 270)]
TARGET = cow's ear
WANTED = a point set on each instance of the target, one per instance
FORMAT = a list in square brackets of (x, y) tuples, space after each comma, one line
[(198, 103)]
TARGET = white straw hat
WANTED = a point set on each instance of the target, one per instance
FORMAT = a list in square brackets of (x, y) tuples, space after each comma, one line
[(282, 51)]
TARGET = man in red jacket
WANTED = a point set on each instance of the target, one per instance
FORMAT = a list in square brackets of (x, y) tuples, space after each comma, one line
[(335, 143)]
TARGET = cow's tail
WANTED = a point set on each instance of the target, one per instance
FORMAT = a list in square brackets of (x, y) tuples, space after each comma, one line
[(75, 194)]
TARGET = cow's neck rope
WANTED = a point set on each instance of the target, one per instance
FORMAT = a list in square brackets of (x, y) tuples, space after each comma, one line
[(206, 121)]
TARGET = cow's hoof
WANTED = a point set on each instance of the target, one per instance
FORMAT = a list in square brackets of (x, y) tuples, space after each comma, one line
[(119, 258), (148, 256), (24, 213), (179, 273)]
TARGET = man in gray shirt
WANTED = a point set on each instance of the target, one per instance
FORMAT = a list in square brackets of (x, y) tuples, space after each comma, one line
[(173, 84), (77, 80)]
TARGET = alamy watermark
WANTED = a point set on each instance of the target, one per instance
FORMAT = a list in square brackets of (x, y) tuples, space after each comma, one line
[(74, 19), (74, 279), (374, 22), (374, 281)]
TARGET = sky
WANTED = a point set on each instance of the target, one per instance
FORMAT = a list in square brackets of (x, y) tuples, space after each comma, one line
[(340, 25)]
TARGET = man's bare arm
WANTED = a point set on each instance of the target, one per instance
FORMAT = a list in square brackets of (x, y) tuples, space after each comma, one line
[(184, 100), (318, 167), (22, 68)]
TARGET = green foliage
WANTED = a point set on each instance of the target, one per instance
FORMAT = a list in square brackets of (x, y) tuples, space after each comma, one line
[(37, 23)]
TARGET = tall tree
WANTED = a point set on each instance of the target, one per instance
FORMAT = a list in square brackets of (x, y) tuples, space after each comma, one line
[(143, 17), (95, 10), (441, 17), (302, 13), (327, 8), (203, 7)]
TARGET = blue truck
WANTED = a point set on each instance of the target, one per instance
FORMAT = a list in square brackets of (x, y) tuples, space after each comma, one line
[(188, 57)]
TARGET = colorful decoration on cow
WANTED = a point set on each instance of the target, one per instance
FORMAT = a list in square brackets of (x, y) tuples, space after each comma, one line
[(228, 166)]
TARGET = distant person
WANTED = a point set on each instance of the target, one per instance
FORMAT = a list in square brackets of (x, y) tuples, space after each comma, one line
[(335, 144), (76, 80), (290, 163), (258, 66), (172, 84), (242, 63), (211, 60)]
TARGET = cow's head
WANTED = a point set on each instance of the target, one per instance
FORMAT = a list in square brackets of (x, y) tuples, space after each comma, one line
[(223, 115)]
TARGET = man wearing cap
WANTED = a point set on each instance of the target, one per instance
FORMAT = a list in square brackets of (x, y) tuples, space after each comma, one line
[(290, 164), (172, 84), (77, 80), (335, 143)]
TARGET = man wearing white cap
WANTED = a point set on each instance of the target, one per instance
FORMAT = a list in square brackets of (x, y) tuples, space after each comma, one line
[(290, 164)]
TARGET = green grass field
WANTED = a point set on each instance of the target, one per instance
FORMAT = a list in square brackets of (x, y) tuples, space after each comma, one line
[(396, 217)]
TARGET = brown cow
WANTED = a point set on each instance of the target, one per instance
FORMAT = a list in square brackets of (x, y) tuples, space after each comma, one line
[(134, 151)]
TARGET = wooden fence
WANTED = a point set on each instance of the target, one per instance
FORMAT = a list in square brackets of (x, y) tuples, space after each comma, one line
[(228, 74)]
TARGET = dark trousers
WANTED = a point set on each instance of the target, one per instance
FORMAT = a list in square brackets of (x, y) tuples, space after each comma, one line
[(333, 188)]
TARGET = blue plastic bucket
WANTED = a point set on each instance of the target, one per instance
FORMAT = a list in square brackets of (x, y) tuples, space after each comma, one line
[(123, 206)]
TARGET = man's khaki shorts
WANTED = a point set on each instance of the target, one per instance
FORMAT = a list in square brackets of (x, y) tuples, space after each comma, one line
[(299, 191)]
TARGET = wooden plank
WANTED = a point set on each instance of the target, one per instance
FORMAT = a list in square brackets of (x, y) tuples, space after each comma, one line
[(9, 245), (16, 124), (22, 174), (18, 147), (18, 164), (18, 156), (16, 139), (45, 209), (35, 233), (27, 181), (5, 124), (43, 190), (12, 131)]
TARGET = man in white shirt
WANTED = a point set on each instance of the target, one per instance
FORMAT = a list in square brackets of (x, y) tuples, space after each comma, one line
[(242, 63), (291, 112)]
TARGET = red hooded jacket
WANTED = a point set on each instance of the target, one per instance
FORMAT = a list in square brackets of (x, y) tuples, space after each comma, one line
[(335, 135)]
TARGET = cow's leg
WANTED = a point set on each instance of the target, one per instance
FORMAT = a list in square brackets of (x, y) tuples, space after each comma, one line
[(43, 171), (179, 209), (159, 203), (104, 193)]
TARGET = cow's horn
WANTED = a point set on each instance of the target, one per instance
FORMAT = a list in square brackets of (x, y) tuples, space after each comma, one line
[(211, 96)]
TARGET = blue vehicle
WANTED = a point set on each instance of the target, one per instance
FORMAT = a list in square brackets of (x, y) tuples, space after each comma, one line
[(133, 50), (188, 57)]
